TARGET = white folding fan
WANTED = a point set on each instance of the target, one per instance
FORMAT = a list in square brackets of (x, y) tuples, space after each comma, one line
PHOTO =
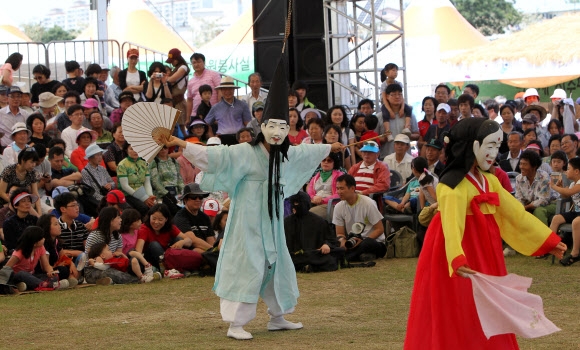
[(145, 120)]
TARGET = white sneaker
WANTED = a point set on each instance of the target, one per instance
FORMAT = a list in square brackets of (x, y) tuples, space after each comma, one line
[(62, 284), (146, 279), (390, 138), (509, 252), (406, 131), (82, 262), (279, 323), (239, 333), (173, 274), (148, 270), (21, 286)]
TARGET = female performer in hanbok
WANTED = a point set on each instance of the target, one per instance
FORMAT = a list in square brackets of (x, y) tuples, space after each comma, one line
[(465, 237)]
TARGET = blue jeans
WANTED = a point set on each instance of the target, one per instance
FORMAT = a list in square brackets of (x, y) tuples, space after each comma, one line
[(31, 280)]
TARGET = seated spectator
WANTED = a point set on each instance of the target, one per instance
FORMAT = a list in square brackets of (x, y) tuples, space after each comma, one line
[(14, 226), (95, 174), (311, 242), (158, 237), (466, 103), (85, 137), (157, 88), (29, 252), (371, 176), (61, 262), (322, 186), (571, 217), (20, 136), (44, 172), (89, 107), (36, 124), (61, 144), (115, 153), (61, 176), (555, 127), (559, 165), (315, 129), (479, 111), (75, 81), (130, 223), (104, 137), (195, 224), (43, 83), (296, 134), (371, 123), (533, 189), (211, 208), (21, 174), (73, 232), (165, 179), (245, 135), (301, 88), (409, 203), (536, 147), (135, 181), (355, 208), (400, 161), (62, 120), (126, 100), (336, 115), (309, 114), (6, 212), (428, 107), (510, 160), (508, 125), (554, 144), (529, 135), (90, 92), (69, 135), (49, 111), (357, 125), (570, 145), (107, 233), (331, 135)]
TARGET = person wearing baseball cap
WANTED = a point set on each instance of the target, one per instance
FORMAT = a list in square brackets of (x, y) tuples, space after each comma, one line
[(433, 150), (126, 100), (178, 79), (400, 160), (193, 222), (3, 96), (94, 173), (131, 79), (20, 136), (436, 131), (257, 111), (371, 175)]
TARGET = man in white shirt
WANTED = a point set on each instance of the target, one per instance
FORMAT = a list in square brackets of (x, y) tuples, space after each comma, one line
[(255, 83), (11, 115), (400, 161), (354, 208)]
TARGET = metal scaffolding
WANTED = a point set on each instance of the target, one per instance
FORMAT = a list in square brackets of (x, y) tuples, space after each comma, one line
[(354, 34)]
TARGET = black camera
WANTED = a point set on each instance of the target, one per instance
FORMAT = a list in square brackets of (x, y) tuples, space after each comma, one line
[(355, 235)]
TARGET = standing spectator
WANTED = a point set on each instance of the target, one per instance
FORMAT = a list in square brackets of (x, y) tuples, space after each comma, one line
[(113, 90), (11, 115), (437, 130), (75, 81), (466, 103), (230, 113), (256, 94), (11, 65), (157, 88), (492, 108), (507, 126), (178, 79), (471, 90), (131, 79), (428, 107), (41, 74), (531, 97), (442, 93), (201, 76), (452, 102), (371, 176), (293, 100), (205, 91), (301, 89)]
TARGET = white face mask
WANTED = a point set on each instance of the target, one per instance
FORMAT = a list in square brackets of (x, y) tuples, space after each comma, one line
[(487, 152), (275, 131)]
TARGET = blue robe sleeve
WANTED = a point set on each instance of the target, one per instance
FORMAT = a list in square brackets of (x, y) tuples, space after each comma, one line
[(227, 166), (302, 161)]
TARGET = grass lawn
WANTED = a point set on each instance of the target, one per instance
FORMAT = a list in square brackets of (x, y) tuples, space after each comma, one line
[(360, 308)]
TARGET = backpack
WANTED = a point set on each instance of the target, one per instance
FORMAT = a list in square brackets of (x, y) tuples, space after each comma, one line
[(402, 244)]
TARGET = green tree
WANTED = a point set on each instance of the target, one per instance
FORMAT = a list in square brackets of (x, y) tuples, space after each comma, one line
[(35, 31), (489, 16), (56, 33)]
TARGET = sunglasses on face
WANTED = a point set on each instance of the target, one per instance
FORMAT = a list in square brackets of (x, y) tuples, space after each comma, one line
[(195, 197)]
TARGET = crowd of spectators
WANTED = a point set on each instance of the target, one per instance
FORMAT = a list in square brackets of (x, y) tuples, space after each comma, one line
[(73, 189)]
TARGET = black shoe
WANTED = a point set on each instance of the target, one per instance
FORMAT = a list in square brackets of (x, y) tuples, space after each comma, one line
[(367, 257)]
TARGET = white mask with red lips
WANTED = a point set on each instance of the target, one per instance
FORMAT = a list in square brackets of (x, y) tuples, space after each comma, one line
[(486, 153), (275, 131)]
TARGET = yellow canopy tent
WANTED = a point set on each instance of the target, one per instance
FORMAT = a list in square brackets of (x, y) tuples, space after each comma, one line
[(11, 34), (539, 56)]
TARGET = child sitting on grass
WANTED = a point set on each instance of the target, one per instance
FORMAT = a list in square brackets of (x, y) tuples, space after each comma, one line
[(130, 223), (571, 217)]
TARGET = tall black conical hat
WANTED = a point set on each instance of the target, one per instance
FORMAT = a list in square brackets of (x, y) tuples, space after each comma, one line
[(277, 101)]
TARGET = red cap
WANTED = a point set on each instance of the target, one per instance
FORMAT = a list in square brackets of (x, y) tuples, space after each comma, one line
[(173, 54), (116, 197), (132, 52)]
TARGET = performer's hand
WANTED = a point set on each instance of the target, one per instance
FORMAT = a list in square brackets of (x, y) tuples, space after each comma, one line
[(170, 141), (559, 250), (337, 146), (464, 270)]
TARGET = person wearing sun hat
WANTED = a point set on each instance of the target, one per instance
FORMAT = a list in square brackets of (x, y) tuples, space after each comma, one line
[(230, 113), (95, 174), (20, 136), (131, 79), (370, 174), (22, 202), (85, 137)]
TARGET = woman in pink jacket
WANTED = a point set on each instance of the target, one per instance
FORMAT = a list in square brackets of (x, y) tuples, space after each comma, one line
[(322, 186)]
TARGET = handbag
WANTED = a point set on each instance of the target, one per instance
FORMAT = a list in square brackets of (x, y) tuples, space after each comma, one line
[(402, 244), (177, 93), (102, 190), (426, 215)]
